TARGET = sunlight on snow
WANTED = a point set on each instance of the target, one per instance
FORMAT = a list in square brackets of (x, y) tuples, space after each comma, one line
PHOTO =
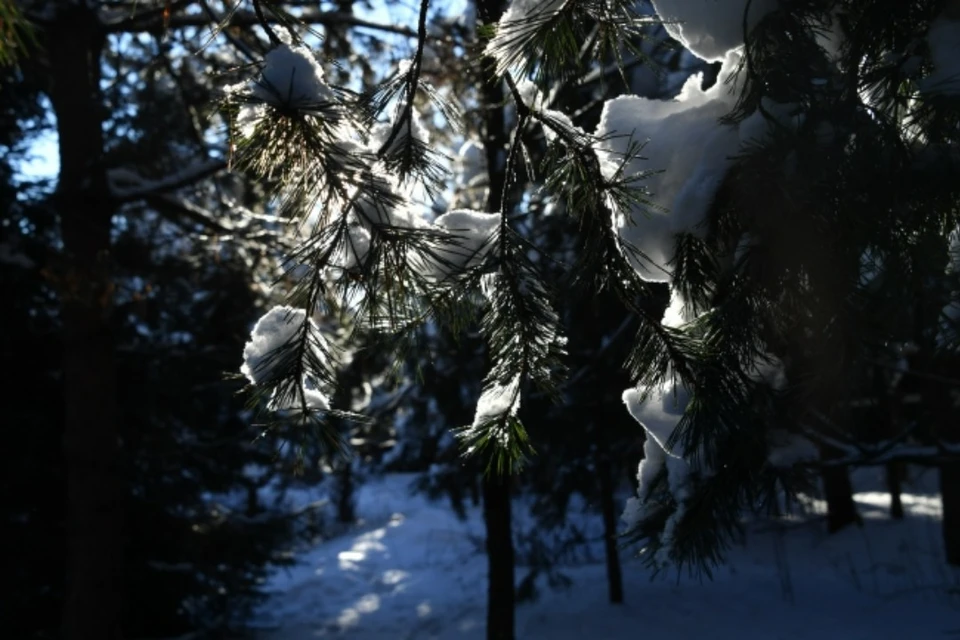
[(348, 560), (350, 616), (426, 579), (394, 576), (367, 543), (920, 505)]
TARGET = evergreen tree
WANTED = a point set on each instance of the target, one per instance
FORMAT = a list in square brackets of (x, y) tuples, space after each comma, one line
[(825, 148), (131, 288)]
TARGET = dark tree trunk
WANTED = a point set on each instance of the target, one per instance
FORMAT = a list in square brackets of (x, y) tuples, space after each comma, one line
[(949, 431), (838, 492), (950, 497), (496, 487), (500, 587), (946, 428), (609, 509), (938, 401), (886, 416), (346, 513), (91, 444), (894, 472), (949, 479)]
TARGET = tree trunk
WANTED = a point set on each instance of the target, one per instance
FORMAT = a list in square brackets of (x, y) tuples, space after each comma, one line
[(950, 497), (496, 487), (838, 492), (947, 430), (609, 509), (886, 416), (939, 402), (894, 472), (346, 513), (91, 444), (500, 584)]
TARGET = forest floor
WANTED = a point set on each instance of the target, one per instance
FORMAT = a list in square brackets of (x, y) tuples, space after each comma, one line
[(410, 570)]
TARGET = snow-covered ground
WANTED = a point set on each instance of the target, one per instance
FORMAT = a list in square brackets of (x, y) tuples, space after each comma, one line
[(412, 570)]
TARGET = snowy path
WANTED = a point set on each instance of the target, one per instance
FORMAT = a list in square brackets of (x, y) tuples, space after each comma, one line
[(416, 572)]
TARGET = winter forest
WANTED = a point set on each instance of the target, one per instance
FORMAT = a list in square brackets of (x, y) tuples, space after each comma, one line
[(463, 319)]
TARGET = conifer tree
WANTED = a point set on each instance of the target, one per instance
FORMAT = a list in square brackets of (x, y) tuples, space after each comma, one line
[(819, 110), (131, 281)]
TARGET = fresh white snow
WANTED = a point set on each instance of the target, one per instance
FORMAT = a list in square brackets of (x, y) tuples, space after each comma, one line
[(685, 157), (710, 28), (659, 413), (292, 77), (355, 246), (470, 236), (496, 401), (276, 329), (412, 570), (524, 10), (409, 130)]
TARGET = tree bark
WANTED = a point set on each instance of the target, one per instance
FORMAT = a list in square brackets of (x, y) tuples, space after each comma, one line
[(346, 513), (886, 416), (92, 611), (496, 487), (940, 400), (894, 475), (500, 560), (608, 508), (950, 498), (838, 492)]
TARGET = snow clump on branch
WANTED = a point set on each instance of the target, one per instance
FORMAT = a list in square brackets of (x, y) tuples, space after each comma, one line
[(683, 151), (710, 29), (270, 354), (685, 156), (290, 79), (468, 236)]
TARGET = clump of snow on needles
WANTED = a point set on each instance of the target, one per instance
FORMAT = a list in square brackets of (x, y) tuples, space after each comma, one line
[(410, 129), (355, 246), (685, 158), (521, 19), (521, 12), (524, 9), (682, 152), (263, 356), (686, 150), (497, 402), (469, 236), (710, 28), (659, 413), (292, 77)]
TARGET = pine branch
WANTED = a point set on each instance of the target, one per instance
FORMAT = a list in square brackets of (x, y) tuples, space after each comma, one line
[(545, 43)]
